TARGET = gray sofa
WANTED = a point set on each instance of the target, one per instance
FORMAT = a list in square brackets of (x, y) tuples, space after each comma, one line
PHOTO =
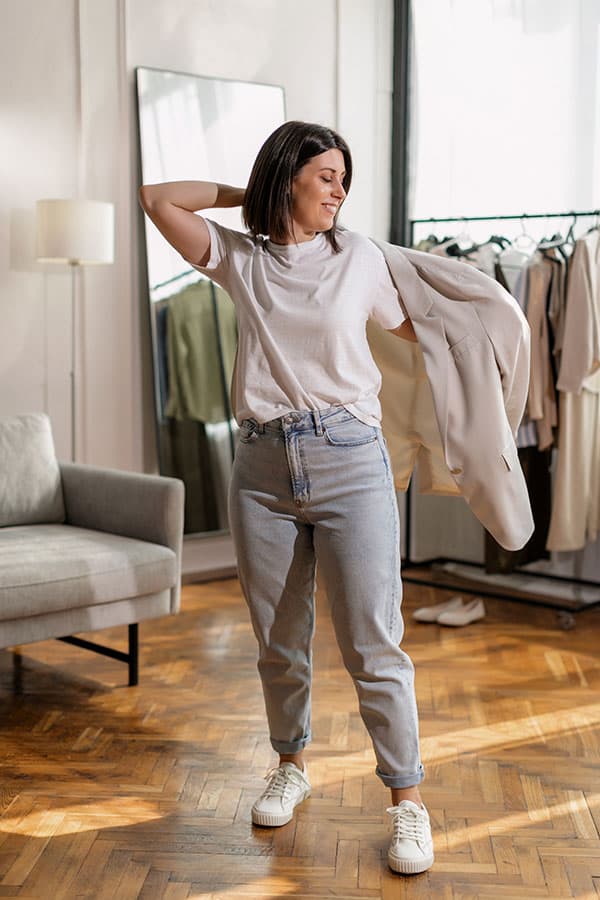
[(82, 548)]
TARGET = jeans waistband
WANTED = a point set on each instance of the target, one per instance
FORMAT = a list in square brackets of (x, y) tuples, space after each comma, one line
[(300, 419)]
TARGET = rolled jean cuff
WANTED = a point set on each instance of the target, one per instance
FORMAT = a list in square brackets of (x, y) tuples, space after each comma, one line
[(290, 746), (401, 781)]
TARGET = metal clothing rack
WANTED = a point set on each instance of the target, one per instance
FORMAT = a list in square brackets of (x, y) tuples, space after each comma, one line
[(514, 218), (179, 275), (565, 608)]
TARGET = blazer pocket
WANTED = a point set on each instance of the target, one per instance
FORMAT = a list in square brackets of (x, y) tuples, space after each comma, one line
[(465, 345), (510, 456)]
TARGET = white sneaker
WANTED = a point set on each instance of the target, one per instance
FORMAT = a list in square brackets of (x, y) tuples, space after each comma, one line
[(287, 787), (470, 612), (411, 850), (431, 613)]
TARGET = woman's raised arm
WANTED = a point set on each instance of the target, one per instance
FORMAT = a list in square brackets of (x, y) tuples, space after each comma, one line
[(172, 206)]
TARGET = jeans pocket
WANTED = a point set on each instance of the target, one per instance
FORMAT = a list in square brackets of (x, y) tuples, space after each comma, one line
[(248, 430), (348, 431)]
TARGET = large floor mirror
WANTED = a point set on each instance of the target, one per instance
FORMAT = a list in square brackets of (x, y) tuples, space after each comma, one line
[(210, 129)]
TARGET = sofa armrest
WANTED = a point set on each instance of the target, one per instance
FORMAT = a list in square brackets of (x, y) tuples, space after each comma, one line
[(146, 507)]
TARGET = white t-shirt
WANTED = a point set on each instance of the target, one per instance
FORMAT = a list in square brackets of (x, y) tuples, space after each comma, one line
[(302, 311)]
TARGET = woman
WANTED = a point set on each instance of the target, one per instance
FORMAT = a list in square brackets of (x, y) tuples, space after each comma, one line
[(311, 478)]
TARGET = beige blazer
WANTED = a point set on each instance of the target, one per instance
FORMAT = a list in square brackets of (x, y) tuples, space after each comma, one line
[(476, 348), (580, 360)]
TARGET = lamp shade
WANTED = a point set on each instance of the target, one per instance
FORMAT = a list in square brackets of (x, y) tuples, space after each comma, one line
[(75, 231)]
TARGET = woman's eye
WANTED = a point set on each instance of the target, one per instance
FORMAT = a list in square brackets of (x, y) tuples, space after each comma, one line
[(328, 180)]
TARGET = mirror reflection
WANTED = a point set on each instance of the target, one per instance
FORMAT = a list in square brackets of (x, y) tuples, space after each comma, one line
[(193, 127)]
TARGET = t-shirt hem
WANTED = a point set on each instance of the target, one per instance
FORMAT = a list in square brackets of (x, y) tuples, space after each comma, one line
[(351, 407)]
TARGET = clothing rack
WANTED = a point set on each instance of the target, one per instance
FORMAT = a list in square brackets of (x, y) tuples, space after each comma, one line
[(554, 215), (179, 275), (565, 608)]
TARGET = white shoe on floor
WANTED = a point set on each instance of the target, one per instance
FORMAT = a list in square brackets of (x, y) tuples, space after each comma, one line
[(287, 787), (470, 612), (411, 850), (431, 613)]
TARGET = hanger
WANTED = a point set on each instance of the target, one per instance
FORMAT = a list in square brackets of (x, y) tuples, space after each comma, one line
[(462, 244), (564, 245), (498, 239), (556, 241), (523, 241), (596, 224), (518, 251)]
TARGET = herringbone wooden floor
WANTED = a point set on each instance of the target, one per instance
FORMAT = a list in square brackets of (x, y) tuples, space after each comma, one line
[(115, 792)]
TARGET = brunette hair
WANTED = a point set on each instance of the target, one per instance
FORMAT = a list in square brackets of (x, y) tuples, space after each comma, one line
[(267, 205)]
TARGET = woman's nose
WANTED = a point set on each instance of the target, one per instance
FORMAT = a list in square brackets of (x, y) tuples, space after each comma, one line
[(338, 190)]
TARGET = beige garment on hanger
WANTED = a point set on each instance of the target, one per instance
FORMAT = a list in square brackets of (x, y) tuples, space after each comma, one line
[(580, 357), (575, 517), (541, 400)]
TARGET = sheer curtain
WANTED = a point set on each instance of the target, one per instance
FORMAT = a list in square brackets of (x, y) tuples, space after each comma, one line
[(505, 106)]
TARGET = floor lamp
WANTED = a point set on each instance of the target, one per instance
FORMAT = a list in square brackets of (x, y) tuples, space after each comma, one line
[(76, 233)]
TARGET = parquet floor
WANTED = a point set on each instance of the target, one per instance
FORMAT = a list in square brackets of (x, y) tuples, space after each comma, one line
[(115, 792)]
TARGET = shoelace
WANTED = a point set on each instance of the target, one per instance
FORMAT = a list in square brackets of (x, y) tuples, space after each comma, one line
[(280, 780), (407, 824)]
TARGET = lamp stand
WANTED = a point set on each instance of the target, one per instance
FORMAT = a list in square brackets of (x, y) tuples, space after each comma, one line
[(73, 264), (76, 232)]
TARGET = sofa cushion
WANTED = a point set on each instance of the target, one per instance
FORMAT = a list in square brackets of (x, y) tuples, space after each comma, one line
[(30, 485), (46, 568)]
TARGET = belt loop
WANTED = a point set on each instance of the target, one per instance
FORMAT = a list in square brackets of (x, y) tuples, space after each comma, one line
[(261, 427), (317, 420)]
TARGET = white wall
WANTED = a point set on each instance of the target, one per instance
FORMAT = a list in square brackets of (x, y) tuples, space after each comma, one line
[(58, 143), (38, 143)]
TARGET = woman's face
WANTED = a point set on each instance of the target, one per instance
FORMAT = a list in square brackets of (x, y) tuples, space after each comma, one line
[(317, 194)]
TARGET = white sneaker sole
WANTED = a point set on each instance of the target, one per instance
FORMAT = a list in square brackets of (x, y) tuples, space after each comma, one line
[(272, 820), (409, 866)]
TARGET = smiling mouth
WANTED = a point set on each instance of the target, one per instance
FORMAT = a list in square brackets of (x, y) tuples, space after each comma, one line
[(330, 208)]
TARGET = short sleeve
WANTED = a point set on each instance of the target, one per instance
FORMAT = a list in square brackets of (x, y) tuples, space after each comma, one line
[(217, 265), (387, 309), (227, 251)]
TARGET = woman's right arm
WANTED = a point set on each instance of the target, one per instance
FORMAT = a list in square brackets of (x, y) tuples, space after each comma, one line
[(172, 207)]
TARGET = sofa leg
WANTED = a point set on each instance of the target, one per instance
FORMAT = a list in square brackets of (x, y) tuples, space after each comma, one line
[(131, 658), (17, 671), (133, 655)]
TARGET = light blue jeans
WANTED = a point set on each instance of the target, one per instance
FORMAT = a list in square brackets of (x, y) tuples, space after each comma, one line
[(316, 487)]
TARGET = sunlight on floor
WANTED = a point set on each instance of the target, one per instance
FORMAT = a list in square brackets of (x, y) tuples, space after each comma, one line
[(270, 886), (80, 817), (512, 732), (510, 824)]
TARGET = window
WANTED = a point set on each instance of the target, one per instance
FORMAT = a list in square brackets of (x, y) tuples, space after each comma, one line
[(505, 107)]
